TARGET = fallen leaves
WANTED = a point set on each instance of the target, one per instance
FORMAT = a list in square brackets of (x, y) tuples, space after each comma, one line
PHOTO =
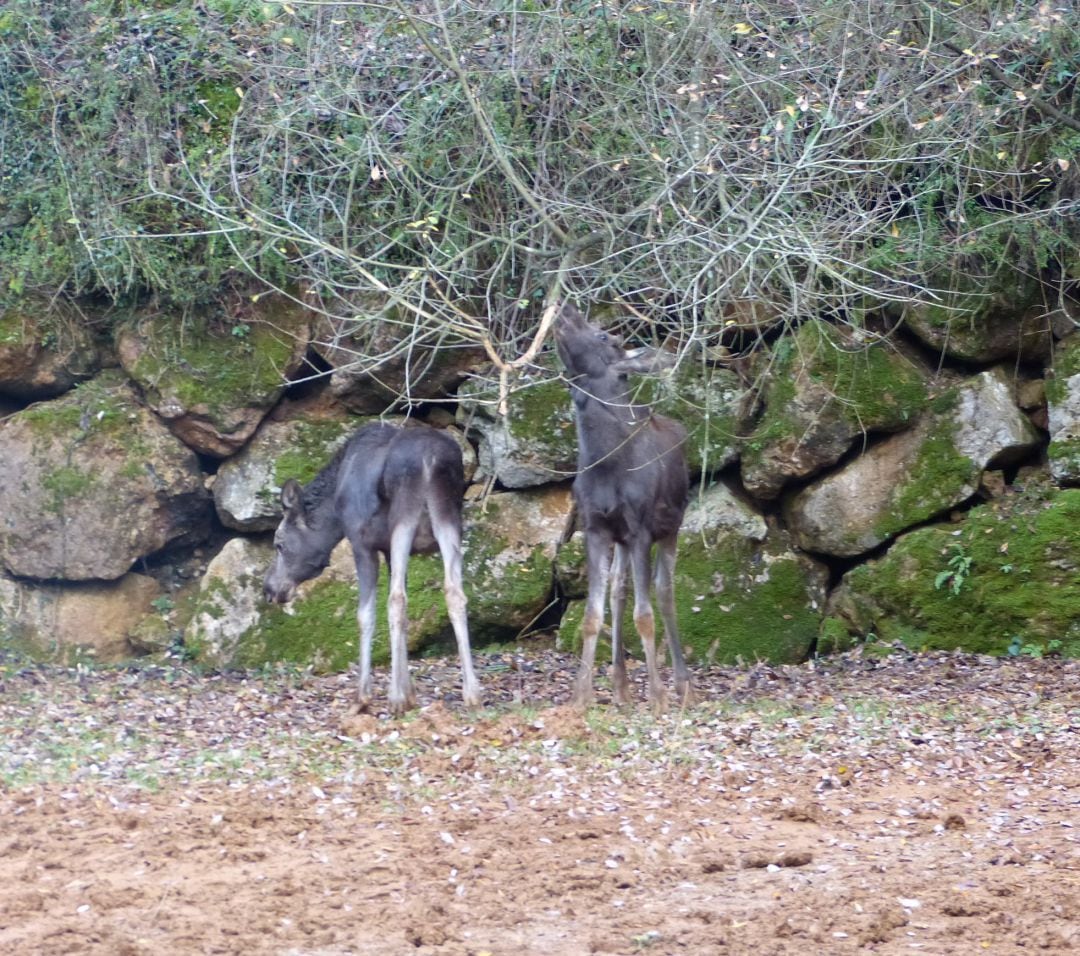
[(831, 797)]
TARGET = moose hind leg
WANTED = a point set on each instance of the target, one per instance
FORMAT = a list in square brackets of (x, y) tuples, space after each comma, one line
[(401, 692), (665, 597), (448, 534), (644, 620)]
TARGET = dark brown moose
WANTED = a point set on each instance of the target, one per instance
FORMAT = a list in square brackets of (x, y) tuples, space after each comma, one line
[(390, 491), (631, 491)]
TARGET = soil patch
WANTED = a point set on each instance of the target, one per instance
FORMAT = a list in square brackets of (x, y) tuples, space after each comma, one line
[(913, 804)]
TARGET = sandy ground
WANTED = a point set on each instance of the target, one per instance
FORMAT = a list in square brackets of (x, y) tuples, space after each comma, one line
[(913, 805)]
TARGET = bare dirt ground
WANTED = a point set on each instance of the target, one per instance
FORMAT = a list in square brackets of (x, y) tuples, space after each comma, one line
[(912, 804)]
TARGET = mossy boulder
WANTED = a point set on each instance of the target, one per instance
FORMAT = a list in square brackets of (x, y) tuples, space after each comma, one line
[(45, 349), (95, 620), (247, 485), (1008, 575), (826, 389), (707, 401), (92, 482), (214, 382), (230, 625), (511, 540), (381, 360), (984, 313), (534, 443), (742, 593), (1063, 406), (910, 478)]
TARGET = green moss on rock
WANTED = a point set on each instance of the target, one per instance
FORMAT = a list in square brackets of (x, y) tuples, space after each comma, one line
[(320, 631), (834, 637), (542, 415), (534, 443), (736, 601), (931, 483), (1064, 459), (64, 483), (824, 389), (986, 308), (509, 562), (101, 407), (99, 414), (1063, 396), (1023, 580), (311, 446), (706, 401), (216, 372)]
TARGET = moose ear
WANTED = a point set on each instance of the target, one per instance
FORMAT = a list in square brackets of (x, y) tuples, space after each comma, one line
[(569, 316), (292, 497), (644, 361)]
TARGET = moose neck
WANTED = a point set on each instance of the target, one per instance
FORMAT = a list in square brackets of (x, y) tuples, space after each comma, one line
[(605, 422), (321, 512)]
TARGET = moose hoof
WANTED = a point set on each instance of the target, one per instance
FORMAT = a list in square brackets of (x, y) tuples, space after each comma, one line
[(402, 705), (658, 702), (582, 697), (620, 689), (684, 694)]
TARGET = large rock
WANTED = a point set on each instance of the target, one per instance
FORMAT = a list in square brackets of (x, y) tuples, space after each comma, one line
[(45, 349), (984, 313), (380, 361), (92, 482), (511, 542), (214, 384), (742, 592), (1008, 576), (916, 475), (247, 486), (534, 443), (95, 619), (826, 390), (708, 402), (1063, 406), (232, 626)]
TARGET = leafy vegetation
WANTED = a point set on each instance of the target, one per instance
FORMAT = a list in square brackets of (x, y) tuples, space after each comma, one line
[(464, 160), (956, 571)]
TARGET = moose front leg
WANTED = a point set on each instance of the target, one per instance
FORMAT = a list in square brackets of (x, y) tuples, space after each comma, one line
[(619, 684), (598, 559)]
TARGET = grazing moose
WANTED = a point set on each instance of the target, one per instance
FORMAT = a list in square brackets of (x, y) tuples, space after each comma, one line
[(390, 491), (631, 491)]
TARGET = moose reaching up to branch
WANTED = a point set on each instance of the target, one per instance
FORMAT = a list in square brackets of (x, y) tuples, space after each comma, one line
[(631, 491), (390, 491)]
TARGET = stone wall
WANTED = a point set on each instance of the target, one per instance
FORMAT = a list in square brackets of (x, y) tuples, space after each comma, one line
[(914, 487)]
